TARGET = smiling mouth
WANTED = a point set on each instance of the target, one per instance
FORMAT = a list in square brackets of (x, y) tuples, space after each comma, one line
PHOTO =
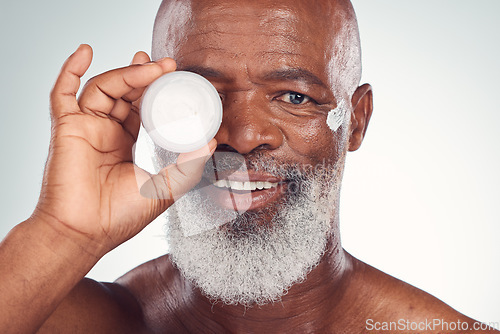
[(238, 193)]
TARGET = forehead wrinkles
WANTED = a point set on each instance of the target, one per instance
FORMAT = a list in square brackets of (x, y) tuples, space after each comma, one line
[(247, 19), (250, 23), (259, 35)]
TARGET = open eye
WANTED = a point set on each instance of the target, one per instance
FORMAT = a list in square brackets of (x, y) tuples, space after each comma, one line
[(294, 98)]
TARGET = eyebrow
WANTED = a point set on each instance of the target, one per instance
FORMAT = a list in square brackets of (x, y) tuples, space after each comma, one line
[(294, 74), (285, 74), (206, 72)]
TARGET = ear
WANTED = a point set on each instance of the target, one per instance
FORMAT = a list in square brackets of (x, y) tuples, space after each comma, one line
[(362, 107)]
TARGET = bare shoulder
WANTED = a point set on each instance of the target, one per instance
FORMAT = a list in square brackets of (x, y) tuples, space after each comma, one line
[(154, 280), (404, 307), (93, 307), (160, 292), (145, 300)]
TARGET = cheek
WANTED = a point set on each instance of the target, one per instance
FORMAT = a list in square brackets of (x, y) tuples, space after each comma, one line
[(314, 142)]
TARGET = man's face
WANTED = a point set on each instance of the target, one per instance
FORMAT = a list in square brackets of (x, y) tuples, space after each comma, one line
[(272, 67)]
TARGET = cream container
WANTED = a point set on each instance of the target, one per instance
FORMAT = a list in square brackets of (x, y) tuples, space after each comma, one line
[(181, 111)]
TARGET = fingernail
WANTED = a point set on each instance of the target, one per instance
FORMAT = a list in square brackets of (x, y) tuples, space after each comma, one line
[(212, 145), (168, 64), (157, 62)]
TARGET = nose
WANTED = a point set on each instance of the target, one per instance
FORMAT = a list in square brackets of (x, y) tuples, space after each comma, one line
[(247, 125)]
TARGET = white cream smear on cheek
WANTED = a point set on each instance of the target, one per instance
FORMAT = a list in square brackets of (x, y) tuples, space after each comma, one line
[(336, 116)]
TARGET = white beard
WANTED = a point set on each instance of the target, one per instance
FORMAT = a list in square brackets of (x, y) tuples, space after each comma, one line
[(248, 263)]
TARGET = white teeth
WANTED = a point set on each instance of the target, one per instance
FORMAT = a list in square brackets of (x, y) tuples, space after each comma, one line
[(237, 185), (220, 183)]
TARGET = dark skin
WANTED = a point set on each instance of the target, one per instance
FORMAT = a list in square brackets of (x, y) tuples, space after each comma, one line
[(242, 58)]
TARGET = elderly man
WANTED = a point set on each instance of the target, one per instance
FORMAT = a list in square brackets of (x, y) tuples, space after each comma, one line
[(288, 75)]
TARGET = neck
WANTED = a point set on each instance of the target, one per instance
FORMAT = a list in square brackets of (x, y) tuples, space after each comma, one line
[(311, 302)]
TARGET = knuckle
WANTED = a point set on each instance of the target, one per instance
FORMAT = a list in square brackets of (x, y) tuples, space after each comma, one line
[(89, 91), (92, 85)]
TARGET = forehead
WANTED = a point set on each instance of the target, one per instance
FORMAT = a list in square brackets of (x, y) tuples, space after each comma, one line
[(257, 35), (293, 16)]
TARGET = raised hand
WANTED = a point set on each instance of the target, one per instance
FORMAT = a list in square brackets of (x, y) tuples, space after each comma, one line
[(90, 200), (90, 189)]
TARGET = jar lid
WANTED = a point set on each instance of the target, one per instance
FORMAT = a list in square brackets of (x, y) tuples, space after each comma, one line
[(181, 111)]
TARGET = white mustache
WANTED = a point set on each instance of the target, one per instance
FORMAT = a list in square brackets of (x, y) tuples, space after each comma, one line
[(231, 162)]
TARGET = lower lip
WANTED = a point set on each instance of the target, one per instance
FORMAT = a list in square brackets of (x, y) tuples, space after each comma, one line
[(243, 200)]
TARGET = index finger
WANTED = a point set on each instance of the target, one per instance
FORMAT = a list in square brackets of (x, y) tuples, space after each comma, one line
[(101, 92)]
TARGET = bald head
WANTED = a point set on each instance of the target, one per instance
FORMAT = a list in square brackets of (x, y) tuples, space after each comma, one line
[(329, 25)]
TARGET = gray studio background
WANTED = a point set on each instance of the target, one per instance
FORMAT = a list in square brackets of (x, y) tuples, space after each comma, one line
[(420, 198)]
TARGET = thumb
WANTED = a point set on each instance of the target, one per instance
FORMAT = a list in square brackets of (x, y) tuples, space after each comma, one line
[(177, 179)]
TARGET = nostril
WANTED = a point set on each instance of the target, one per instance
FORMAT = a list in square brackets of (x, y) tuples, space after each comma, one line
[(263, 147)]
